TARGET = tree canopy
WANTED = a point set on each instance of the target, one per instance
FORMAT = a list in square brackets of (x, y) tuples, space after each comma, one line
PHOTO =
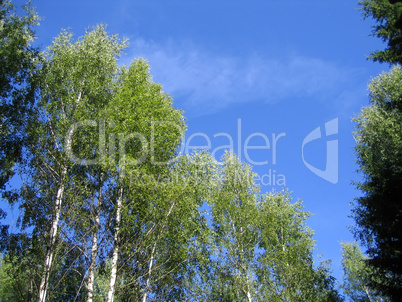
[(357, 274), (109, 209), (378, 212), (388, 27), (18, 67)]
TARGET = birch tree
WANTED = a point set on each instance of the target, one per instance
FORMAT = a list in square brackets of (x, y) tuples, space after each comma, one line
[(356, 275), (149, 131), (76, 83), (234, 210), (262, 249), (162, 237), (19, 63)]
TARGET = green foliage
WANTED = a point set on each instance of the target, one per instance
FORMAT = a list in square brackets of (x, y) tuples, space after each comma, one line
[(378, 212), (387, 28), (18, 69), (325, 285), (149, 128), (356, 274), (77, 82), (105, 191), (261, 248), (17, 270), (19, 63), (162, 231)]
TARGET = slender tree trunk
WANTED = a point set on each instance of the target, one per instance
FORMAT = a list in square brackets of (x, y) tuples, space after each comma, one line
[(113, 273), (53, 235), (368, 293), (243, 265), (249, 297), (94, 253), (144, 299), (94, 250), (43, 287), (149, 273)]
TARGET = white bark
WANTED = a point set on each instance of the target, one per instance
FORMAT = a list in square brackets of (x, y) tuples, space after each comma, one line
[(94, 252), (151, 262), (149, 273), (115, 258), (368, 293), (249, 297), (43, 287), (53, 235)]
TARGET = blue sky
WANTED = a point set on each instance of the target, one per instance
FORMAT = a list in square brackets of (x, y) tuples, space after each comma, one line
[(269, 70)]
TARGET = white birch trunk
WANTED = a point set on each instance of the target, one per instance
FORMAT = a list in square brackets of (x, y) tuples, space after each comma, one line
[(149, 273), (115, 258), (53, 235), (151, 262), (368, 293), (55, 225), (249, 297), (94, 253)]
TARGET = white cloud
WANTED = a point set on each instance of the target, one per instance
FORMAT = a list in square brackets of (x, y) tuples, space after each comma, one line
[(203, 82)]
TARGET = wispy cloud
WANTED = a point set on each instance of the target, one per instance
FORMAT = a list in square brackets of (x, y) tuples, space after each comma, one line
[(204, 82)]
